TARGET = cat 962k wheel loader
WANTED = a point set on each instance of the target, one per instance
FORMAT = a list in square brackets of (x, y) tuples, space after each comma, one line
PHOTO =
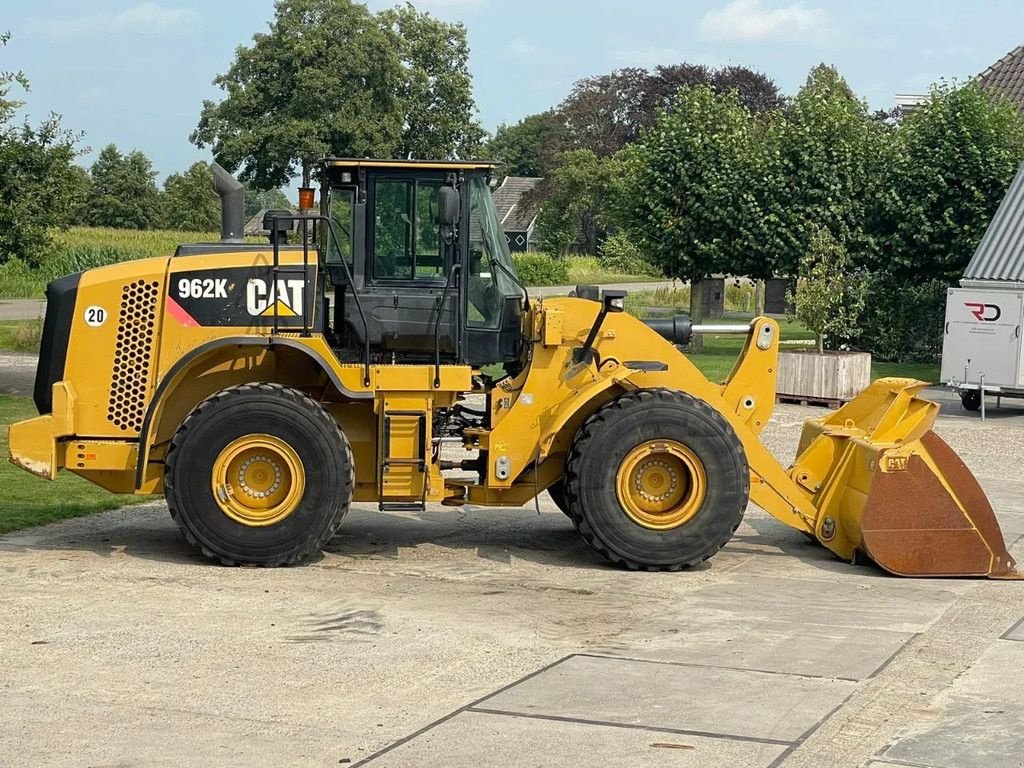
[(390, 354)]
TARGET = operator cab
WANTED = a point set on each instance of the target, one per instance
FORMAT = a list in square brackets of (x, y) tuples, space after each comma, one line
[(418, 263)]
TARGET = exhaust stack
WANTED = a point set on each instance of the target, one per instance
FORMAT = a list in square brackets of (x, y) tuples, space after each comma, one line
[(232, 204)]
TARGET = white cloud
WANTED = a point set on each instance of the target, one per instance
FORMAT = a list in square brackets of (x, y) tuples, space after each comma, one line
[(139, 19), (518, 46), (750, 20)]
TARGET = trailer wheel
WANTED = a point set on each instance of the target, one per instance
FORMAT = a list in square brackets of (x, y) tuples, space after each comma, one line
[(971, 399), (657, 480), (258, 474)]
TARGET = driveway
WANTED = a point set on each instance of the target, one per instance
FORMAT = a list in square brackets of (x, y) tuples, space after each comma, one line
[(476, 637)]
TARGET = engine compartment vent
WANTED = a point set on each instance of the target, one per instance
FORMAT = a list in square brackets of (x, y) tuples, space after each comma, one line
[(130, 380)]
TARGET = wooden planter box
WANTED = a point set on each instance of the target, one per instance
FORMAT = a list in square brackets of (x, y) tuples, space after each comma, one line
[(838, 376)]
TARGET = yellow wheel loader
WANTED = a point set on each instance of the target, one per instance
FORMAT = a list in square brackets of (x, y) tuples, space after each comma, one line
[(389, 353)]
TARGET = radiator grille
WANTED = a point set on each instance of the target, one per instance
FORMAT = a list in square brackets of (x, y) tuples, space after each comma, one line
[(129, 383)]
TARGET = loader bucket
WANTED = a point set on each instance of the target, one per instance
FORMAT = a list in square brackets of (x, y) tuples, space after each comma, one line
[(885, 485)]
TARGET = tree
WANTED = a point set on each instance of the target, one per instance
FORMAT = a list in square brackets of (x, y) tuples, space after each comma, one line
[(332, 78), (830, 291), (39, 187), (257, 200), (189, 201), (955, 156), (575, 196), (123, 193), (436, 88), (606, 112), (529, 147), (827, 159), (691, 189)]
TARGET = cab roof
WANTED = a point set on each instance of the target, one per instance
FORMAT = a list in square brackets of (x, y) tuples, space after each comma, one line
[(444, 165)]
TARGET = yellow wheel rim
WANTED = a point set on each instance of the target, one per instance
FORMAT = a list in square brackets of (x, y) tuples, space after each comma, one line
[(258, 480), (661, 484)]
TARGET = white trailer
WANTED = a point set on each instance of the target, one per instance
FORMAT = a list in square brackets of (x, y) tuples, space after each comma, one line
[(982, 350)]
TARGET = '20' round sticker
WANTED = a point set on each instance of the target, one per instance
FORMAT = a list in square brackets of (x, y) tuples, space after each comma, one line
[(95, 316)]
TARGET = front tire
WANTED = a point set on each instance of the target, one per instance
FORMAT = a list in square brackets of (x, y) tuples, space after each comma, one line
[(258, 474), (657, 480)]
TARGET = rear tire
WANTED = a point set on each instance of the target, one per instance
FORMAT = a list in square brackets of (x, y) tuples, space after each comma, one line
[(258, 474), (971, 399), (558, 495), (687, 467)]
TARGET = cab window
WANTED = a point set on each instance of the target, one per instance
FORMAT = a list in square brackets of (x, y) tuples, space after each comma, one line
[(340, 236), (406, 239)]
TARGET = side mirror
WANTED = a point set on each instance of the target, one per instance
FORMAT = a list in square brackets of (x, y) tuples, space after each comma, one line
[(448, 207)]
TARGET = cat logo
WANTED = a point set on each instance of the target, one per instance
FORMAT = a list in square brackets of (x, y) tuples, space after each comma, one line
[(286, 296)]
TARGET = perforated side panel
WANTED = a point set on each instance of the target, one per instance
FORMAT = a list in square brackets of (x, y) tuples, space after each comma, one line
[(129, 383)]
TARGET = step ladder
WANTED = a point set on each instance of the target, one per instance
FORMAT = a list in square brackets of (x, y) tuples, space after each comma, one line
[(403, 460)]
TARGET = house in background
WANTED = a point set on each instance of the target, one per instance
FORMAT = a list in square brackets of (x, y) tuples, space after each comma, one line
[(1006, 76), (516, 219)]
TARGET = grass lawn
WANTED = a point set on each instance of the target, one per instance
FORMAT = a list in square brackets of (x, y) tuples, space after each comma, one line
[(20, 335), (27, 500), (720, 352)]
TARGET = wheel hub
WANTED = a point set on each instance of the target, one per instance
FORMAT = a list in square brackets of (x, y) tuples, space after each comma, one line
[(661, 484), (258, 480)]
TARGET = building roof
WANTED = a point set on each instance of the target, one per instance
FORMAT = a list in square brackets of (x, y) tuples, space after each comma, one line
[(1007, 76), (1000, 255), (254, 224), (513, 215)]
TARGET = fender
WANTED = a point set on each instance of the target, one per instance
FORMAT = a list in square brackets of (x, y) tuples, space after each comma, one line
[(174, 374)]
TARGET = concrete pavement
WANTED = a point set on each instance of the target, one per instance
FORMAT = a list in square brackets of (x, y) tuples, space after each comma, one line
[(476, 637), (22, 309)]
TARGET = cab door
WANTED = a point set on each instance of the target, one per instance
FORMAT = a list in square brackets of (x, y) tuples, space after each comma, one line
[(407, 265)]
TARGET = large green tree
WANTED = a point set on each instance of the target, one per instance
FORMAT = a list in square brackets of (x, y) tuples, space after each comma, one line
[(189, 202), (825, 162), (123, 193), (690, 189), (954, 158), (529, 147), (330, 77), (40, 187), (436, 89), (575, 203)]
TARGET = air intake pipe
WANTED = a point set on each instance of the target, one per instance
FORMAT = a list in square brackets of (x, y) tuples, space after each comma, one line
[(232, 204)]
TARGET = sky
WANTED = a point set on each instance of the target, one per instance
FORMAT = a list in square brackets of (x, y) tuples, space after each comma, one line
[(135, 72)]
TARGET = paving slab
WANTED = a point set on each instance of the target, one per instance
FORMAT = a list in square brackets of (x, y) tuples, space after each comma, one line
[(863, 598), (978, 720), (483, 739), (694, 699), (816, 651), (1016, 632)]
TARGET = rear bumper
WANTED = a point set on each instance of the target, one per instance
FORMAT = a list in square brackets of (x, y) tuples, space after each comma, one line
[(34, 444), (61, 298)]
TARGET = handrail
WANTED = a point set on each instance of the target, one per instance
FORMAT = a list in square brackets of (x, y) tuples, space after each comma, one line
[(305, 219), (437, 324)]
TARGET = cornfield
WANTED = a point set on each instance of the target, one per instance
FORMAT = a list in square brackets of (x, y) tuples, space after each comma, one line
[(81, 248)]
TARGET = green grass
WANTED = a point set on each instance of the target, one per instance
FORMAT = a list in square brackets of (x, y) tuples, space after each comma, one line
[(924, 371), (20, 335), (719, 355), (587, 270), (27, 500)]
